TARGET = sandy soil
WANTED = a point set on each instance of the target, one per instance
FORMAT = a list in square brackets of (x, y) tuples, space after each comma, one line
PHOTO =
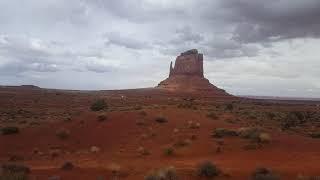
[(41, 113)]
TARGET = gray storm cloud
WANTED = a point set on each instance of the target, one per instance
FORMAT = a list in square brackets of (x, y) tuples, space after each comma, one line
[(128, 44)]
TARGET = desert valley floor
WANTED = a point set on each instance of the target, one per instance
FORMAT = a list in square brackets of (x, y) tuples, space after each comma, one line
[(60, 137)]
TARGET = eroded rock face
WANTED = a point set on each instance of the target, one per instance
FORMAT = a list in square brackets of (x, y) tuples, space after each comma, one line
[(189, 63), (187, 75)]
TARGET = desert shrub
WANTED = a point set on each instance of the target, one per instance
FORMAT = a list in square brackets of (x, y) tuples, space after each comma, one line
[(222, 132), (142, 113), (193, 125), (187, 105), (102, 117), (137, 108), (208, 169), (14, 172), (315, 134), (167, 173), (67, 166), (251, 146), (212, 115), (169, 151), (264, 138), (143, 151), (229, 107), (98, 105), (264, 174), (249, 133), (183, 143), (271, 115), (62, 133), (293, 119), (161, 119), (9, 130)]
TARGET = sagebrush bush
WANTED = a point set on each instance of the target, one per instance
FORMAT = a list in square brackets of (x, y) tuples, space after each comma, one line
[(264, 174), (62, 133), (161, 119), (98, 105), (142, 113), (167, 173), (169, 151), (67, 166), (212, 115), (208, 169), (102, 117), (222, 132), (293, 119), (9, 130), (14, 172), (229, 107)]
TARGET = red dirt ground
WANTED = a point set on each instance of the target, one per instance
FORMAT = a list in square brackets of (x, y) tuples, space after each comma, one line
[(40, 113)]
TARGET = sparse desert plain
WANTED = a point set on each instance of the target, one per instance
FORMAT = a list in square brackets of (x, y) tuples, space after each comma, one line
[(156, 133)]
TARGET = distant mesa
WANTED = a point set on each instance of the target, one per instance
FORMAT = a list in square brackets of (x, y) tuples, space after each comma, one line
[(30, 87), (25, 87), (187, 76)]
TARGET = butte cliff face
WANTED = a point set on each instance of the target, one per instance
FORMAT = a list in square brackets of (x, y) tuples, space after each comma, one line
[(187, 76)]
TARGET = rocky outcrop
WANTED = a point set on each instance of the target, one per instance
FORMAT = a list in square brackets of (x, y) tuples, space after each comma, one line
[(189, 63), (187, 75)]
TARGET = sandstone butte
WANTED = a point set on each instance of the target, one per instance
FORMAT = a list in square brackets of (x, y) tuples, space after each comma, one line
[(187, 76)]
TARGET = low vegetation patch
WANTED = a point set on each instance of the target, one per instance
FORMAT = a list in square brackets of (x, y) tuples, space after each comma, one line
[(14, 172), (143, 151), (222, 132), (102, 117), (264, 174), (193, 125), (249, 133), (142, 113), (99, 105), (212, 115), (183, 143), (169, 151), (255, 135), (67, 166), (229, 107), (9, 130), (161, 119), (264, 138), (167, 173), (315, 134), (137, 108), (62, 133), (208, 169), (293, 119)]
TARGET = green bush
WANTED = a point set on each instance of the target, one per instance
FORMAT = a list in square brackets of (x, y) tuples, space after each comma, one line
[(9, 130), (208, 169), (98, 105)]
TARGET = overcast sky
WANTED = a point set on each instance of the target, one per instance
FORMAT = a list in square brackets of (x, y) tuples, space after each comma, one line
[(250, 47)]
